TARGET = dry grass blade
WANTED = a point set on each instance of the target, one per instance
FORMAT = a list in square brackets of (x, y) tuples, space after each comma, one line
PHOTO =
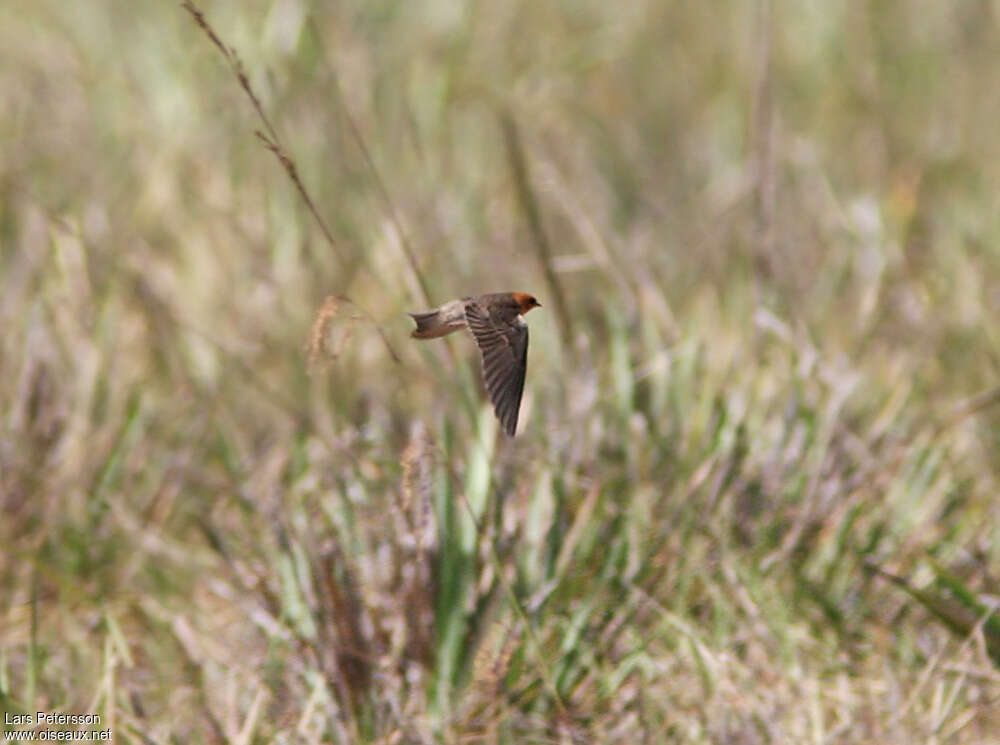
[(321, 346), (418, 547), (979, 402), (764, 149), (529, 206), (349, 657), (272, 144), (271, 140), (390, 208)]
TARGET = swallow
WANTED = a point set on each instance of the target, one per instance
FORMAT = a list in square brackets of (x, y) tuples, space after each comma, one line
[(497, 325)]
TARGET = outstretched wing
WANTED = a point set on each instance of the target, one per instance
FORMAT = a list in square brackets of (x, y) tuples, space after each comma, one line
[(504, 346)]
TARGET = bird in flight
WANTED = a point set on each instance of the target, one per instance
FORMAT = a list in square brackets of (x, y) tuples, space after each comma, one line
[(496, 324)]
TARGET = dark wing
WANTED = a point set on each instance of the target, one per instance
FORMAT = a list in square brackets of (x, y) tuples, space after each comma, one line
[(504, 346)]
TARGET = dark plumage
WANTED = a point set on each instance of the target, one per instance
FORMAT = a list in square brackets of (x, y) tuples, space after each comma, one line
[(502, 336)]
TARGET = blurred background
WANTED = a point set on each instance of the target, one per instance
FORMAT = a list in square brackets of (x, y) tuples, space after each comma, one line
[(753, 494)]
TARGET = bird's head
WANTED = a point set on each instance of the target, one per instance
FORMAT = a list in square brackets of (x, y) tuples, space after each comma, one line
[(527, 302)]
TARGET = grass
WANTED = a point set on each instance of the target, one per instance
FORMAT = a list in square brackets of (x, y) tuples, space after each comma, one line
[(753, 495)]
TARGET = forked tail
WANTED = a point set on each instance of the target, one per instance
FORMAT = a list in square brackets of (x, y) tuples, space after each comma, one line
[(430, 325)]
